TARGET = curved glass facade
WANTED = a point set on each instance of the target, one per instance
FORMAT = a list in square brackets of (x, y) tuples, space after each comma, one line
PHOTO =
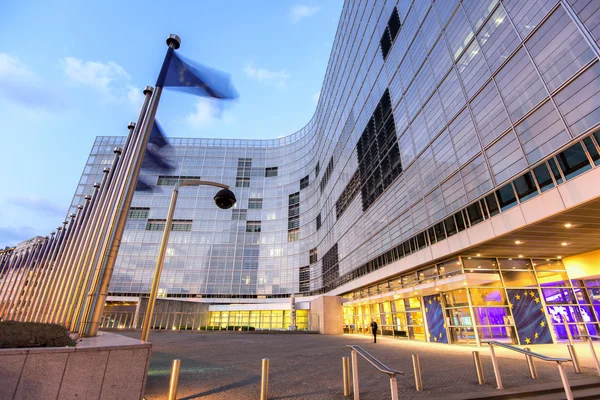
[(433, 117)]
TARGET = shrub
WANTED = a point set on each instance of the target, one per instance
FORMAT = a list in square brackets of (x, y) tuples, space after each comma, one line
[(32, 334)]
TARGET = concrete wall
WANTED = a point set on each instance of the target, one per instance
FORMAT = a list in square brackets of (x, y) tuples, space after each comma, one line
[(108, 366), (331, 316), (585, 265)]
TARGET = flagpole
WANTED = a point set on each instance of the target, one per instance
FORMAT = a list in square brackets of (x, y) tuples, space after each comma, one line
[(44, 278), (99, 289)]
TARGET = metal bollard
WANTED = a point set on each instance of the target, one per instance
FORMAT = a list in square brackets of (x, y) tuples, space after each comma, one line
[(417, 372), (355, 389), (531, 364), (594, 356), (174, 380), (496, 368), (264, 380), (574, 358), (346, 375), (565, 381), (478, 368)]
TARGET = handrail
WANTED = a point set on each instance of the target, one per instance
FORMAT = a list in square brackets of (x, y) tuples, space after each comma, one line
[(374, 362), (528, 353), (589, 337)]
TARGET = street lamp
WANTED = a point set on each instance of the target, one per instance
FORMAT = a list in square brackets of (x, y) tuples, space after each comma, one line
[(224, 199)]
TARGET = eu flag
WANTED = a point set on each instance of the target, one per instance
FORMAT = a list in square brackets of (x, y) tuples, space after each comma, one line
[(188, 76), (154, 159)]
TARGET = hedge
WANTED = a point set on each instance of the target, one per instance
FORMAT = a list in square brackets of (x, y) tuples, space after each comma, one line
[(14, 335)]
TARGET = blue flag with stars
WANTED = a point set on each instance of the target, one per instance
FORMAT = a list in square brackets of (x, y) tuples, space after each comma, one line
[(154, 160), (188, 76), (530, 319), (435, 319)]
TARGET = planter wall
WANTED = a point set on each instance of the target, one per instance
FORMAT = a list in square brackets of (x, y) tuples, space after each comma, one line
[(108, 366)]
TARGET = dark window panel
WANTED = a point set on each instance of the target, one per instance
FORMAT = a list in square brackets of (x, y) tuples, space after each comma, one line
[(492, 204), (573, 161), (592, 150), (543, 177), (460, 221), (506, 197), (450, 226), (474, 213), (555, 172)]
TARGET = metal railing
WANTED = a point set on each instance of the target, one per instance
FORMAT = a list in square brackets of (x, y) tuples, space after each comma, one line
[(381, 367), (529, 355), (590, 340)]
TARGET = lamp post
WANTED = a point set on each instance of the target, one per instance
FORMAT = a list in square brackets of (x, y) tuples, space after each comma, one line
[(224, 199)]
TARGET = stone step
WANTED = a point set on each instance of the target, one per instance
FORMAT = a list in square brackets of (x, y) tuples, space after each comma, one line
[(585, 388)]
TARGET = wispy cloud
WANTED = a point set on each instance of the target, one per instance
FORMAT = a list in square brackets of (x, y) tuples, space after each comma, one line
[(276, 78), (300, 11), (20, 85), (38, 205), (12, 235), (206, 112), (108, 78)]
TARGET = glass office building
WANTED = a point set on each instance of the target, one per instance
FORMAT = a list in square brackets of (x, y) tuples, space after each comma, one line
[(446, 185)]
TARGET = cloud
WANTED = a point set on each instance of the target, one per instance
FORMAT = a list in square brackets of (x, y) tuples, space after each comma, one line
[(108, 78), (277, 78), (206, 112), (299, 11), (20, 85), (38, 205), (12, 235)]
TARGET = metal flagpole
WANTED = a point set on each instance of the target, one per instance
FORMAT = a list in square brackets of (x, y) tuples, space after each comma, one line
[(99, 289), (41, 310), (116, 188), (34, 275), (15, 278), (159, 265), (44, 274), (65, 263)]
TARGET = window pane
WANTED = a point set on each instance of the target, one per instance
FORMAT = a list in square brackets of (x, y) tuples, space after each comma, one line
[(525, 187), (555, 172), (506, 197), (439, 231), (475, 214), (519, 279), (492, 204), (573, 161), (592, 150), (450, 226), (542, 174), (488, 296), (478, 264)]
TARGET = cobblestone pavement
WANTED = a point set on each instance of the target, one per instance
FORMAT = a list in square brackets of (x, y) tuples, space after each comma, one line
[(224, 366)]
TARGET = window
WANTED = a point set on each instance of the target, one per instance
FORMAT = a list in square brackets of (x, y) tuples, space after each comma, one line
[(474, 213), (242, 182), (255, 203), (460, 221), (138, 212), (177, 225), (293, 222), (492, 204), (573, 161), (293, 235), (349, 193), (172, 180), (270, 171), (319, 221), (450, 226), (304, 182), (525, 187), (312, 256), (326, 175), (304, 279), (239, 215), (294, 198), (544, 179), (555, 171), (390, 33), (330, 267), (592, 150), (506, 197), (317, 169), (252, 226)]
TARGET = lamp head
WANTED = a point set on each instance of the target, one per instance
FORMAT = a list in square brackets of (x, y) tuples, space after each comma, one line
[(225, 199)]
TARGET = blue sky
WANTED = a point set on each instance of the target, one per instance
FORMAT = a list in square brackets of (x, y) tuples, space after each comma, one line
[(74, 70)]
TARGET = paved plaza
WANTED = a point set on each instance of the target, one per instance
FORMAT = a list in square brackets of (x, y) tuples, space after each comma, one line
[(223, 366)]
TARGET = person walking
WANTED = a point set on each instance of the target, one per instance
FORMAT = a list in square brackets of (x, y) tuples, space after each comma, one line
[(374, 330)]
